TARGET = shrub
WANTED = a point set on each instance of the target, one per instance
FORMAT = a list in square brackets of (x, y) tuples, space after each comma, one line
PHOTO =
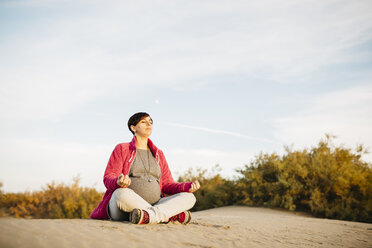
[(215, 191), (54, 201), (327, 181)]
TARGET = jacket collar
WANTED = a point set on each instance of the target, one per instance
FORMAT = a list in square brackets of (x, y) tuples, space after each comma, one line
[(133, 145)]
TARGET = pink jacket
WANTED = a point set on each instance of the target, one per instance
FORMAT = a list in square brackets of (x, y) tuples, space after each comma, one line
[(120, 161)]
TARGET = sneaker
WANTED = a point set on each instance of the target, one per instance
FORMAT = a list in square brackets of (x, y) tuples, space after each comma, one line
[(138, 216), (183, 218)]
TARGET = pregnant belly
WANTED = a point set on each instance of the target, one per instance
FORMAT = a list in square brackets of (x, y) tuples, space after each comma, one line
[(149, 191)]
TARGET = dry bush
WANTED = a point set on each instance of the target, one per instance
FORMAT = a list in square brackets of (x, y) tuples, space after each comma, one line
[(54, 201)]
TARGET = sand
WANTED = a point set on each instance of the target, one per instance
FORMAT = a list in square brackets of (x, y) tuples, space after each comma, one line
[(219, 227)]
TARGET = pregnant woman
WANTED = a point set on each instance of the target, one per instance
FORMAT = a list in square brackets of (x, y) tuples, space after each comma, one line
[(140, 186)]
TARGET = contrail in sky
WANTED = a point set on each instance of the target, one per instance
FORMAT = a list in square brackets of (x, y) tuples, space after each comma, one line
[(210, 130)]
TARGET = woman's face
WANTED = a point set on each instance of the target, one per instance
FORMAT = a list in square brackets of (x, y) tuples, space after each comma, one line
[(143, 127)]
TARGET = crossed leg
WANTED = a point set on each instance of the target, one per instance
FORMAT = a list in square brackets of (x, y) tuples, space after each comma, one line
[(124, 200)]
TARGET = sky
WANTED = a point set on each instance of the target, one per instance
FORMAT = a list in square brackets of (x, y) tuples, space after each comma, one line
[(223, 81)]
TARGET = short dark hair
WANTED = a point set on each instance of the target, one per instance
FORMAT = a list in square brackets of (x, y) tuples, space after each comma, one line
[(134, 119)]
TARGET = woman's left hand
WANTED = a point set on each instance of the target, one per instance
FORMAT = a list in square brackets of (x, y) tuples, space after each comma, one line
[(194, 186)]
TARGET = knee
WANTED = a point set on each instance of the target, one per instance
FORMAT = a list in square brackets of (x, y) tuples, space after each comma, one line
[(191, 198), (122, 194)]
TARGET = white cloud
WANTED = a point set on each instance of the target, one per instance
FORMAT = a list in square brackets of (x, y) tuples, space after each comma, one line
[(109, 49), (53, 64), (210, 130), (30, 164), (180, 160), (346, 114)]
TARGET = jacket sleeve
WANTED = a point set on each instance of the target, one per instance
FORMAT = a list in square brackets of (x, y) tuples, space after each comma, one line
[(114, 168), (169, 186)]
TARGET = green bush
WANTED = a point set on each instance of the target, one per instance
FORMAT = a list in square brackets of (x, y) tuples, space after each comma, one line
[(327, 181), (215, 191)]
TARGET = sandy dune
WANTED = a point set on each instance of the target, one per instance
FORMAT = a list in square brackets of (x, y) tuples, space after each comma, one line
[(220, 227)]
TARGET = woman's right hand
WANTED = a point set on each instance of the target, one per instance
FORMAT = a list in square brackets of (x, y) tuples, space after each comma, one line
[(123, 181)]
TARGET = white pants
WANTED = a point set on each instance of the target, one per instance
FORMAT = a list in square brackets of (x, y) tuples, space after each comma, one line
[(125, 200)]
